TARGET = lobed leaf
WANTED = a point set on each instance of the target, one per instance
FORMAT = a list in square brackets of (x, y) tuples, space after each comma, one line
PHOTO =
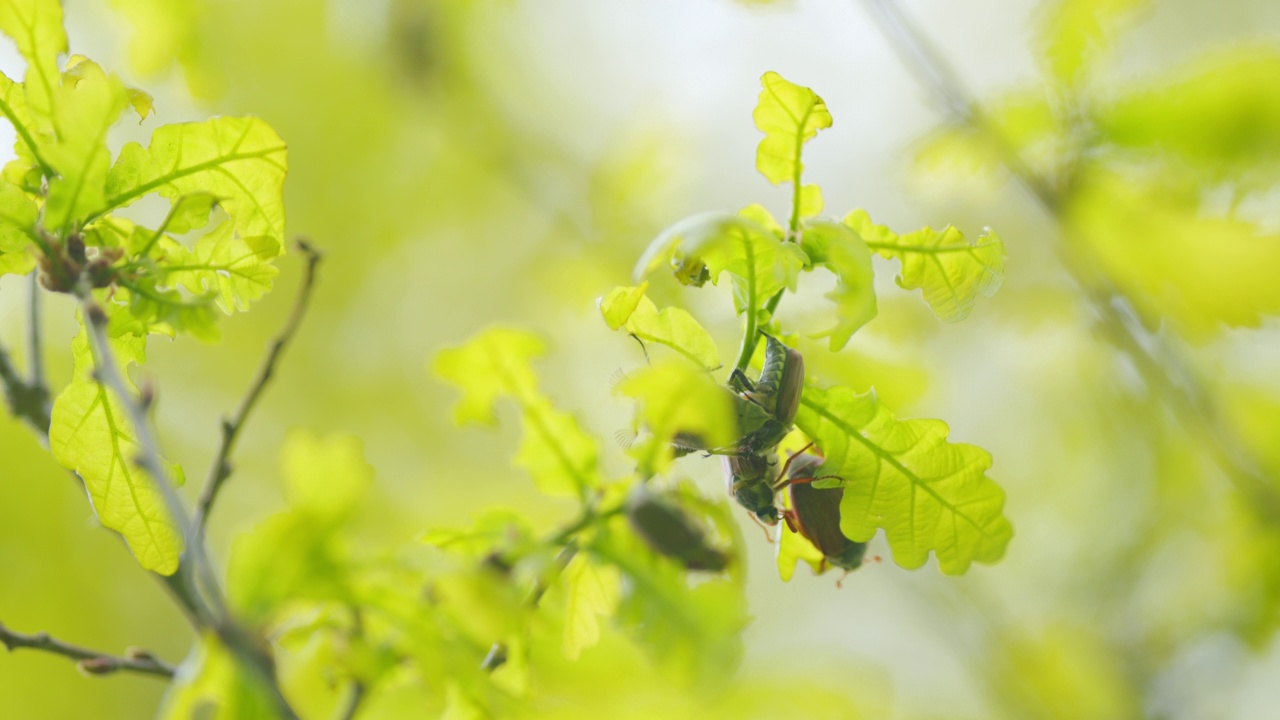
[(1172, 261), (240, 160), (592, 592), (36, 27), (950, 271), (1075, 32), (1220, 113), (236, 270), (559, 455), (673, 327), (18, 214), (789, 115), (676, 399), (91, 434), (758, 262), (86, 105), (841, 251), (903, 476)]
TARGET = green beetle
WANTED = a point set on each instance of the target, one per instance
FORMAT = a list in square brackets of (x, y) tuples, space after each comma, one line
[(763, 410), (750, 482)]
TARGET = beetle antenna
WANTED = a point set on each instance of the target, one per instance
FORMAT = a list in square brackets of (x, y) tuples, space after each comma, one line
[(643, 348)]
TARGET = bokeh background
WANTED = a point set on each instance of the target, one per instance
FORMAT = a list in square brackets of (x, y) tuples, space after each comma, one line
[(504, 161)]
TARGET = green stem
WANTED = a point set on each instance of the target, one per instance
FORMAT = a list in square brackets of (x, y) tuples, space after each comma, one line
[(752, 336)]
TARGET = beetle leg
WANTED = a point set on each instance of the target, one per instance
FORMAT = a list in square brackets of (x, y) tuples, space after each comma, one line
[(790, 517), (768, 538), (740, 381)]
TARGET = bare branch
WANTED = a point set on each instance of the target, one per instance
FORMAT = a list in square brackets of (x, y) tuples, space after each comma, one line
[(89, 661), (1162, 365), (221, 468)]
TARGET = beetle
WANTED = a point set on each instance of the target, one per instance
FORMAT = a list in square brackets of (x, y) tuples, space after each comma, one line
[(749, 479), (752, 482), (763, 410), (815, 513), (670, 531)]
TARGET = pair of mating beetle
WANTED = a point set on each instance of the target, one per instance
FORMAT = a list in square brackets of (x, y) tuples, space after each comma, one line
[(765, 410)]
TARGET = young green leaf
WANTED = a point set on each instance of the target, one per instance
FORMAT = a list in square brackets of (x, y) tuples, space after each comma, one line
[(950, 271), (36, 26), (673, 326), (166, 311), (789, 115), (903, 476), (842, 252), (758, 262), (240, 160), (1218, 114), (92, 435), (561, 457), (17, 223), (1075, 33), (676, 399), (85, 106), (592, 592), (694, 631), (617, 306), (794, 549), (236, 269)]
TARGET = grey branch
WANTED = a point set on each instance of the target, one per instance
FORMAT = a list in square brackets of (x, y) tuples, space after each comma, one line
[(1160, 362), (89, 661), (220, 470)]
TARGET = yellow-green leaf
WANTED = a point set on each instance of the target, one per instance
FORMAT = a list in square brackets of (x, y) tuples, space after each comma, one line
[(617, 306), (1075, 32), (842, 252), (91, 434), (789, 115), (559, 455), (240, 160), (1220, 113), (324, 478), (592, 592), (237, 270), (18, 214), (36, 26), (903, 476), (674, 398), (677, 329), (951, 272), (492, 364), (1174, 262)]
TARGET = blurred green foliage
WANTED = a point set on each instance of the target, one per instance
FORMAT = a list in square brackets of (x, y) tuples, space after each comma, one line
[(452, 185)]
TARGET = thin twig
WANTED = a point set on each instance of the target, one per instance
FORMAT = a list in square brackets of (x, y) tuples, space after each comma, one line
[(1161, 364), (221, 468), (359, 691), (35, 349), (90, 661)]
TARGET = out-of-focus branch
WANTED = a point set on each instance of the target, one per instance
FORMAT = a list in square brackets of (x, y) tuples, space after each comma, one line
[(1162, 365), (194, 564), (498, 653), (27, 401), (221, 468), (89, 661)]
